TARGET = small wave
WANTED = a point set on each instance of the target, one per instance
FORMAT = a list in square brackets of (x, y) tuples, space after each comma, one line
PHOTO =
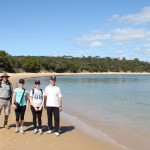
[(89, 130)]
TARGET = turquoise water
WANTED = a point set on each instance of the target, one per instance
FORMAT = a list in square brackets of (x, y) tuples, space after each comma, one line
[(114, 105)]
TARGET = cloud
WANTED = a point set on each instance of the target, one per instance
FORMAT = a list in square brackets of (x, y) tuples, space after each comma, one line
[(147, 46), (142, 17), (94, 44), (148, 50), (95, 35), (129, 35), (118, 52)]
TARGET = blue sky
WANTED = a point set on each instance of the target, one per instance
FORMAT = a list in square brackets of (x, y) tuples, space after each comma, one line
[(105, 28)]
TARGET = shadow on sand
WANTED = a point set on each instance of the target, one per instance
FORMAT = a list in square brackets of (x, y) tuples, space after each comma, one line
[(62, 130)]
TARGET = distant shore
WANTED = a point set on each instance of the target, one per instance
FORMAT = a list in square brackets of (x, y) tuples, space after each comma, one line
[(16, 76)]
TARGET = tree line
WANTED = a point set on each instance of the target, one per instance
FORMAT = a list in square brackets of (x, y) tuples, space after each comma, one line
[(16, 64)]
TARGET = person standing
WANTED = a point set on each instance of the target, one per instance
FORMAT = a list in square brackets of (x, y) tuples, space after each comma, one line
[(53, 102), (20, 95), (37, 101), (5, 97)]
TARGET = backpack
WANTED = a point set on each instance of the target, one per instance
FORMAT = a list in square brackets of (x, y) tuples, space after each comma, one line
[(33, 91)]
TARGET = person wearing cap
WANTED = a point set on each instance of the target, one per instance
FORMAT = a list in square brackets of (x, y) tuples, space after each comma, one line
[(53, 102), (20, 95), (6, 89), (37, 101)]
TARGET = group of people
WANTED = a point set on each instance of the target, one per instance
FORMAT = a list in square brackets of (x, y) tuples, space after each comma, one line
[(20, 100)]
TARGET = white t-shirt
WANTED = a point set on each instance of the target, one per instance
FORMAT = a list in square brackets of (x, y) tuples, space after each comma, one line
[(53, 94), (37, 97)]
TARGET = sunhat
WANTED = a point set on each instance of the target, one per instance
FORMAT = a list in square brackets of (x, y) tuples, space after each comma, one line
[(5, 75)]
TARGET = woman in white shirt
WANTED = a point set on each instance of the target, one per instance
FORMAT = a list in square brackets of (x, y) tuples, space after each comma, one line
[(37, 101)]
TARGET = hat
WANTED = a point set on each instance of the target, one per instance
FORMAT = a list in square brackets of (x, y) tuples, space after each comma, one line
[(37, 81), (21, 81), (5, 75), (52, 77)]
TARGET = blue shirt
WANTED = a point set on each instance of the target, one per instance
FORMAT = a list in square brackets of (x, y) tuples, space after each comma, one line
[(19, 93)]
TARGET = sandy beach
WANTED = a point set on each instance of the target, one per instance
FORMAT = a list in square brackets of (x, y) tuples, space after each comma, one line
[(70, 136)]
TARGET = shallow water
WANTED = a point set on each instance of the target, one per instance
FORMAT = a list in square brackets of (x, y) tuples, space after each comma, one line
[(115, 105)]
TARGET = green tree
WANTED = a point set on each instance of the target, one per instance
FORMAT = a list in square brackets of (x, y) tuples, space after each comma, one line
[(5, 62), (30, 65)]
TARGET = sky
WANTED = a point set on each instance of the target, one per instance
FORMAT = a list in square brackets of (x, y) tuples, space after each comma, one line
[(104, 28)]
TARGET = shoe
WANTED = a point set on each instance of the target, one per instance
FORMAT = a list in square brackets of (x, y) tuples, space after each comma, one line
[(49, 131), (6, 127), (40, 131), (16, 130), (22, 132), (57, 133), (35, 131)]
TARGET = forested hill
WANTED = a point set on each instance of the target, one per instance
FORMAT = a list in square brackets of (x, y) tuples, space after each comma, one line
[(62, 64)]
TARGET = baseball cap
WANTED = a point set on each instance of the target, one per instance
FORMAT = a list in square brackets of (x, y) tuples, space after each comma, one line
[(52, 77), (37, 81)]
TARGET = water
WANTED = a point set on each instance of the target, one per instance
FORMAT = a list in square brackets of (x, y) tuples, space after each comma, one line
[(114, 105)]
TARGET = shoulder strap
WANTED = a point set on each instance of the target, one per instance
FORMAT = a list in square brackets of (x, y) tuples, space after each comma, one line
[(0, 83), (41, 91), (32, 92), (10, 90), (22, 96)]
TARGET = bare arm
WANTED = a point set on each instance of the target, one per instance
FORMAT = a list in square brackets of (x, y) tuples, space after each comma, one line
[(31, 101), (60, 104), (42, 105), (27, 101), (13, 100)]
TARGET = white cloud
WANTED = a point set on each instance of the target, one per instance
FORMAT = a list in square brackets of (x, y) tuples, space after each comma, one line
[(147, 46), (136, 49), (130, 35), (148, 50), (94, 44), (142, 17), (95, 35), (118, 52), (81, 52)]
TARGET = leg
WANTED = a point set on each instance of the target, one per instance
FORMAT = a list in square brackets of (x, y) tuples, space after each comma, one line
[(6, 121), (49, 117), (23, 109), (17, 113), (1, 110), (39, 119), (34, 116), (1, 105), (7, 112), (56, 118)]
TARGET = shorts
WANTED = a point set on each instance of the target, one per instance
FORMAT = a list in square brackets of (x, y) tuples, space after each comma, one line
[(6, 105)]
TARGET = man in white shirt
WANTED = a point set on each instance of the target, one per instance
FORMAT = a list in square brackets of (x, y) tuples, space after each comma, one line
[(53, 101)]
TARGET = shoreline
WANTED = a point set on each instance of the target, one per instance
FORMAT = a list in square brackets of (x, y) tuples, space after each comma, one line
[(71, 137), (17, 76)]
